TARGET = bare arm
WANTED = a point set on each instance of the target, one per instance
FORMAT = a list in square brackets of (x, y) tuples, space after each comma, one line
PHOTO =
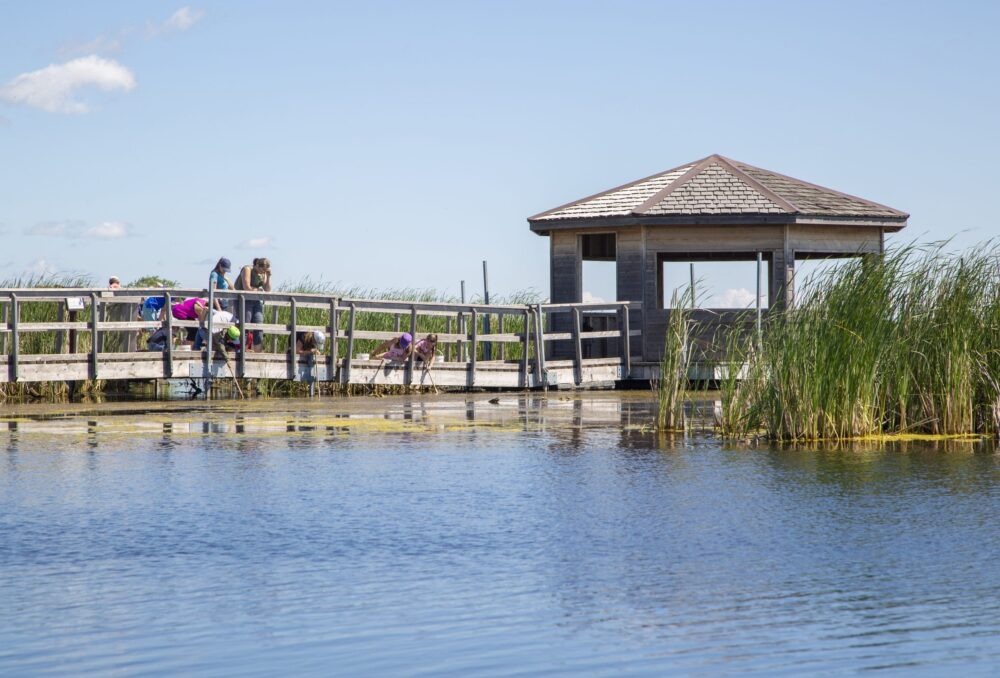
[(267, 281)]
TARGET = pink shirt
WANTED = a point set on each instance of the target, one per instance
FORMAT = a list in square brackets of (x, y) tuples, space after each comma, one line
[(185, 309)]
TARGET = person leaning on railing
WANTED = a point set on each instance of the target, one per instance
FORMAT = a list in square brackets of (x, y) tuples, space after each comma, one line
[(255, 277)]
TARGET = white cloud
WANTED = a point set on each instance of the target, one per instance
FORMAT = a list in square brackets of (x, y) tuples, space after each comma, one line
[(739, 297), (41, 267), (52, 88), (109, 230), (55, 229), (589, 298), (181, 20), (255, 243), (106, 230), (102, 44)]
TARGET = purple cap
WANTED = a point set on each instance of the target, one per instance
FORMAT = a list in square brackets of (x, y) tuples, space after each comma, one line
[(225, 264), (405, 340)]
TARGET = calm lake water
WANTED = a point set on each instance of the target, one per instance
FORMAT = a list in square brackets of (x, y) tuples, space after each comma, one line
[(454, 536)]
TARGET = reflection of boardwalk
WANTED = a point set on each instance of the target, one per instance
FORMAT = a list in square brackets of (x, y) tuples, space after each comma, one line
[(480, 346)]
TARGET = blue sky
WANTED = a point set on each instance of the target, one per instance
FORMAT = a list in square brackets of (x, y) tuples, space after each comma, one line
[(400, 144)]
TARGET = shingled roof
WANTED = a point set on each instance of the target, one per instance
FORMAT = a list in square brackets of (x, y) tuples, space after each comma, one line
[(717, 189)]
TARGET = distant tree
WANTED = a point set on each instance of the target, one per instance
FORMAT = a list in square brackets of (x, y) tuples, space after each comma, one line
[(152, 281)]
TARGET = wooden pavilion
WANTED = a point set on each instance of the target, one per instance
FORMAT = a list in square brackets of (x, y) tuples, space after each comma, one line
[(714, 209)]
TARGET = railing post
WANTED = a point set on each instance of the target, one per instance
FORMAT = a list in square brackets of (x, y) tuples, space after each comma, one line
[(350, 345), (293, 355), (626, 344), (93, 335), (332, 360), (540, 346), (460, 320), (4, 314), (243, 335), (577, 346), (208, 340), (502, 353), (169, 318), (413, 340), (524, 356), (475, 346), (447, 347), (60, 334), (15, 337)]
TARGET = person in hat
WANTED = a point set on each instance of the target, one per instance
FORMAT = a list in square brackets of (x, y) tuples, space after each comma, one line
[(395, 350), (114, 283), (309, 343), (218, 278)]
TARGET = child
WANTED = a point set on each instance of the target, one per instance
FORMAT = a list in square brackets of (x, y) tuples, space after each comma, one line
[(395, 350), (426, 348)]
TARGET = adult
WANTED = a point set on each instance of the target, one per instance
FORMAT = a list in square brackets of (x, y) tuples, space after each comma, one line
[(114, 283), (255, 278), (218, 278), (186, 310)]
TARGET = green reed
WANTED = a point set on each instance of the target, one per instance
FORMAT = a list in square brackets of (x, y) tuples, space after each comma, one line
[(904, 342), (674, 364)]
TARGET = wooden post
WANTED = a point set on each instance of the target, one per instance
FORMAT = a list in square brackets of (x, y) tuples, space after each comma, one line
[(540, 346), (293, 356), (475, 346), (15, 337), (447, 347), (577, 346), (74, 336), (461, 344), (626, 341), (168, 316), (208, 340), (4, 314), (396, 324), (331, 370), (242, 362), (60, 334), (501, 352), (350, 345), (413, 340), (524, 357), (272, 337), (94, 349)]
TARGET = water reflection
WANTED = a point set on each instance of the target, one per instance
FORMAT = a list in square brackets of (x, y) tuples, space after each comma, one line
[(513, 533)]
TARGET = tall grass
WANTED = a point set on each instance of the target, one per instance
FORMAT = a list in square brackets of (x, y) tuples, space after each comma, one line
[(674, 364), (905, 342)]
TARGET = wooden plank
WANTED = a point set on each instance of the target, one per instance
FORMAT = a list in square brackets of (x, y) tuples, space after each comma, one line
[(539, 346)]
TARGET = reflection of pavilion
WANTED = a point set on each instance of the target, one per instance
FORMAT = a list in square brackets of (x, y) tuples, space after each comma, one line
[(714, 209)]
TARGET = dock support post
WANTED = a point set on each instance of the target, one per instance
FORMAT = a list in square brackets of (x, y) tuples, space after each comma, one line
[(15, 337), (475, 345), (208, 340), (242, 362), (331, 370), (413, 339), (577, 346), (525, 347), (447, 347), (169, 316), (501, 353), (350, 345), (540, 347), (626, 343), (94, 343), (293, 356)]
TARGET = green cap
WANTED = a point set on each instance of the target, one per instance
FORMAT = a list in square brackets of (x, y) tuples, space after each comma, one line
[(233, 332)]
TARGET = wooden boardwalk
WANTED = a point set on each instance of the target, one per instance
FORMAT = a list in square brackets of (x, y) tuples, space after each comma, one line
[(49, 335)]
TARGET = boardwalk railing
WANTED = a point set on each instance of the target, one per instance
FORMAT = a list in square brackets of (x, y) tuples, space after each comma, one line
[(78, 334)]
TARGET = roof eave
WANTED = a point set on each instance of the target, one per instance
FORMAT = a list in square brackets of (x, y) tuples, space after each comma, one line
[(544, 226)]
